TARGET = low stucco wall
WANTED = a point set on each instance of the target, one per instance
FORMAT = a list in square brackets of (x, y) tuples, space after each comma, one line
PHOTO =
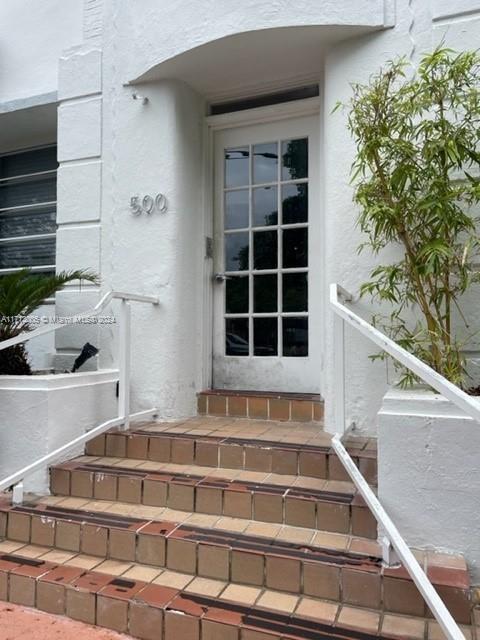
[(41, 413), (429, 473)]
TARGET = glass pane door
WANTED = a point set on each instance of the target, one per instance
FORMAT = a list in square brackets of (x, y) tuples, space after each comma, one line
[(265, 234)]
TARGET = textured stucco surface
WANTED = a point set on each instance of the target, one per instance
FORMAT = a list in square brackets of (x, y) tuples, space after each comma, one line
[(202, 21), (29, 54), (428, 478), (38, 414), (112, 147)]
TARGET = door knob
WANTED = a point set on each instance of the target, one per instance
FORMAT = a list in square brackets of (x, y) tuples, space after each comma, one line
[(220, 277)]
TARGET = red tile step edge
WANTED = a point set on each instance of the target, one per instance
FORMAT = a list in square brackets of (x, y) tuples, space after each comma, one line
[(233, 453), (341, 576), (150, 611), (261, 405), (297, 506)]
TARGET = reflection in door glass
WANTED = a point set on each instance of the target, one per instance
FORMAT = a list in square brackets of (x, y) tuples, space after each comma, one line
[(266, 216), (294, 203), (237, 168), (265, 208), (295, 337), (265, 162), (295, 292), (236, 209), (236, 251), (265, 336), (265, 250), (236, 336), (295, 159), (236, 297), (265, 293), (295, 243)]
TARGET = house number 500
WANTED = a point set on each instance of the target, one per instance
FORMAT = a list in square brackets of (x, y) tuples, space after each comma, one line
[(148, 204)]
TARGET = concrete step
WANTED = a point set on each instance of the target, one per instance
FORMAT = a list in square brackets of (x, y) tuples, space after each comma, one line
[(289, 449), (343, 575), (329, 505), (152, 603)]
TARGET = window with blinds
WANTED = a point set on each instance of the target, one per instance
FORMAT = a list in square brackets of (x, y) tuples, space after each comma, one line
[(28, 209)]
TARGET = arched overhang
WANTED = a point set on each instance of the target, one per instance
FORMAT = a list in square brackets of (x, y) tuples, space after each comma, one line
[(258, 58)]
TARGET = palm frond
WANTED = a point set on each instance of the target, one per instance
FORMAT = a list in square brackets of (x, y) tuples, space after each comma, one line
[(23, 292)]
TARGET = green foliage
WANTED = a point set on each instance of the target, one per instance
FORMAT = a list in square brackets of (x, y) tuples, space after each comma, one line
[(21, 293), (416, 181)]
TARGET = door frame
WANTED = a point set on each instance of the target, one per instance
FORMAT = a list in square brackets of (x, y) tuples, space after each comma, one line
[(259, 115)]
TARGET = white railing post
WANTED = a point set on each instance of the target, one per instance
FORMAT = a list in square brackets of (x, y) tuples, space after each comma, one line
[(339, 372), (124, 363), (17, 493)]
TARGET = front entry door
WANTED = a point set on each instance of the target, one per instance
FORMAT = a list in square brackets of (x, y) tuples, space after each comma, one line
[(267, 257)]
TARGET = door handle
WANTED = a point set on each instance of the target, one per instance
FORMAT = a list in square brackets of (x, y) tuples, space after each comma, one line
[(220, 277)]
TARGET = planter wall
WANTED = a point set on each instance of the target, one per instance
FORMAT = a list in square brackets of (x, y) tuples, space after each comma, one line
[(429, 472), (42, 412)]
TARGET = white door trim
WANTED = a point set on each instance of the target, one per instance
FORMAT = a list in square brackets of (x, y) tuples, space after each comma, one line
[(272, 113), (268, 369)]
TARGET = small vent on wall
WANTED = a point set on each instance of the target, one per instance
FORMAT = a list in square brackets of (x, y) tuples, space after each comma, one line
[(300, 93)]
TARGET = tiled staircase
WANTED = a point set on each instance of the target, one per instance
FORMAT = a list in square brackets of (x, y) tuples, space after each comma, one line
[(218, 528)]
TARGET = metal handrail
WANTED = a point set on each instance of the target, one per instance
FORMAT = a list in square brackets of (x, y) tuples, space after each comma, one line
[(450, 391), (16, 479), (18, 476), (94, 311), (391, 535)]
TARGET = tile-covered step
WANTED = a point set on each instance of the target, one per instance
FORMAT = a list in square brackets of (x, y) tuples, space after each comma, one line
[(340, 575), (329, 505), (261, 405), (152, 604), (238, 445)]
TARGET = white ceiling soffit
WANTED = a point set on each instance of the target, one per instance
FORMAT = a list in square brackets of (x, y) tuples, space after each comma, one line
[(28, 127)]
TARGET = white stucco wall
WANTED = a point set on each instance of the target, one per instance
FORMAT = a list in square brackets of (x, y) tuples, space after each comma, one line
[(160, 254), (428, 478), (34, 34), (112, 147), (40, 350), (420, 26), (41, 413), (356, 61), (202, 21), (160, 146)]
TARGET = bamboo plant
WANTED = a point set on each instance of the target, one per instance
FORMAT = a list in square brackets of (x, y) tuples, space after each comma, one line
[(416, 178)]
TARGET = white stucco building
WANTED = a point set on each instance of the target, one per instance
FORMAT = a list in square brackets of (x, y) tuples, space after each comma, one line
[(189, 151), (223, 112)]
